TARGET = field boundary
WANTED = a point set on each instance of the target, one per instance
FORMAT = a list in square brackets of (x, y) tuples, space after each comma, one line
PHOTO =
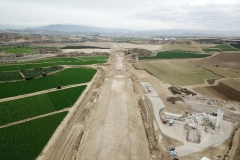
[(42, 92), (33, 118)]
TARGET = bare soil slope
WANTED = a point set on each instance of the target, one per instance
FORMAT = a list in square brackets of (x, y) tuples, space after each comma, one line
[(226, 89)]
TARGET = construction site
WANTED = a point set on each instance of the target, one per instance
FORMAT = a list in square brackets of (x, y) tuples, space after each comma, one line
[(130, 114), (149, 109)]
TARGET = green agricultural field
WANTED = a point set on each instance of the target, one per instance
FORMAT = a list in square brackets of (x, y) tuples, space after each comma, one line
[(225, 47), (15, 75), (94, 58), (182, 48), (10, 76), (52, 62), (211, 50), (84, 47), (236, 46), (25, 141), (39, 71), (17, 49), (63, 78), (22, 49), (177, 72), (175, 55), (219, 48), (223, 72), (16, 110)]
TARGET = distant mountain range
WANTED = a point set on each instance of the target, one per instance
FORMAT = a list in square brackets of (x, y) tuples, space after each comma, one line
[(96, 30), (76, 28)]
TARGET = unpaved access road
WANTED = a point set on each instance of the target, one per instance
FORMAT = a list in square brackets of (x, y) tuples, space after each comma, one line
[(113, 130)]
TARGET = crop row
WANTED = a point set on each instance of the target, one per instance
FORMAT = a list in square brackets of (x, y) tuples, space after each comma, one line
[(220, 48), (17, 49), (10, 76), (25, 141), (22, 49), (98, 58), (63, 78), (225, 47), (236, 45), (53, 62), (40, 71), (28, 74), (211, 50), (16, 110)]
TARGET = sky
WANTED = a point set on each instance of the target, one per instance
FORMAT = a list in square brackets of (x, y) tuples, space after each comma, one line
[(125, 14)]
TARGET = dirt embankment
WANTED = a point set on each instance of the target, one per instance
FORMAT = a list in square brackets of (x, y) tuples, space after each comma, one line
[(156, 140), (234, 152), (141, 52)]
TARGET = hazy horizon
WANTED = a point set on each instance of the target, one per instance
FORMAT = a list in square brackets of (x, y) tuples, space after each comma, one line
[(132, 15)]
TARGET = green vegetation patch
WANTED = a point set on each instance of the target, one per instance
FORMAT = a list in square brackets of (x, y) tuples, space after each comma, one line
[(40, 71), (236, 45), (219, 48), (10, 76), (52, 62), (94, 58), (175, 55), (63, 78), (225, 47), (16, 75), (16, 110), (25, 141), (23, 49), (17, 49), (211, 50), (84, 47)]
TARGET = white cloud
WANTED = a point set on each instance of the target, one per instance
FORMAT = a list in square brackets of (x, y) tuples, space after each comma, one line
[(131, 14)]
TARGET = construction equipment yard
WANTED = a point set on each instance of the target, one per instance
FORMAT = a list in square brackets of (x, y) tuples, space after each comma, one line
[(127, 113)]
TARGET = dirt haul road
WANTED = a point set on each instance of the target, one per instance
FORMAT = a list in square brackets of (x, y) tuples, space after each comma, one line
[(114, 129)]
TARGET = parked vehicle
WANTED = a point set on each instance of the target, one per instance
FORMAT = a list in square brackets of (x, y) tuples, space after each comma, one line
[(170, 122)]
